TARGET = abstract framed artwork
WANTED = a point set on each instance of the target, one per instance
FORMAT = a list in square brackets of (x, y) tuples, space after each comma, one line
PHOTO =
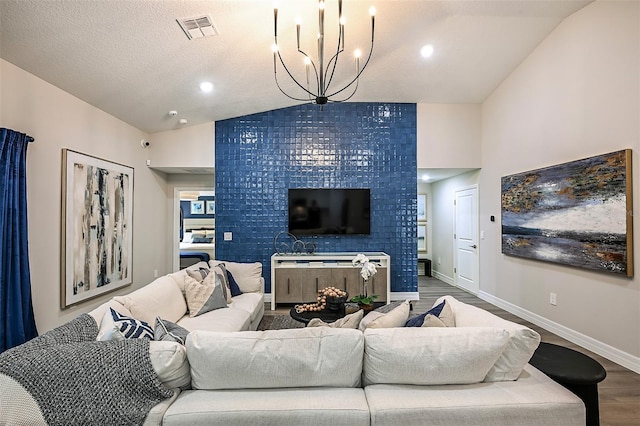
[(422, 207), (97, 231), (211, 207), (422, 237), (197, 207), (578, 213)]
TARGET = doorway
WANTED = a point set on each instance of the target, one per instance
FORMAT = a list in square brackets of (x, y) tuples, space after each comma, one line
[(194, 226), (466, 250)]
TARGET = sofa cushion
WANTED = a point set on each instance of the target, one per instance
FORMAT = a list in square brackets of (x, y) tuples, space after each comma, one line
[(225, 319), (115, 326), (431, 356), (162, 297), (281, 407), (98, 313), (204, 296), (247, 275), (250, 302), (523, 341), (169, 361), (534, 399), (303, 357)]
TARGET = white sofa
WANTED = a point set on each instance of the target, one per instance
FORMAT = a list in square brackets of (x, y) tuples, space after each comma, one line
[(461, 375), (163, 297)]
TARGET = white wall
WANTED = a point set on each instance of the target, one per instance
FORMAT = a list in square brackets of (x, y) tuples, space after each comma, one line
[(448, 135), (58, 120), (577, 95), (190, 147)]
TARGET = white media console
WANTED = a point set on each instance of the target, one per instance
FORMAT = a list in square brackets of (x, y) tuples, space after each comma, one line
[(296, 278)]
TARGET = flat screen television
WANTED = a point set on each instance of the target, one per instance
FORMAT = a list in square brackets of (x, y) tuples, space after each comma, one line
[(329, 211)]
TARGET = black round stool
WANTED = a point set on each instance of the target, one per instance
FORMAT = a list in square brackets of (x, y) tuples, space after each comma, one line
[(575, 371)]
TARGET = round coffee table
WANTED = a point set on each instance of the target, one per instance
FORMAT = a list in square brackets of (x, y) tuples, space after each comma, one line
[(325, 315), (575, 371)]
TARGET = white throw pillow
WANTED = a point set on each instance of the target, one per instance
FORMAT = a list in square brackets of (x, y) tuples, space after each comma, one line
[(169, 361), (395, 318), (348, 321), (368, 319)]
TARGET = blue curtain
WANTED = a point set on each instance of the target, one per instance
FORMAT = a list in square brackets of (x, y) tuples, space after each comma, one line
[(17, 323)]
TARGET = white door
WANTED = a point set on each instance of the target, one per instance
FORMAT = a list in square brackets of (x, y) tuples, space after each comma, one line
[(466, 268)]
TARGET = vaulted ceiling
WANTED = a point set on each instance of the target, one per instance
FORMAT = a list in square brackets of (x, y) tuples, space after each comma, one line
[(131, 59)]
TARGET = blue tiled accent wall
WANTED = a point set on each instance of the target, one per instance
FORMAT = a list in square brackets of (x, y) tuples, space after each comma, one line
[(348, 145)]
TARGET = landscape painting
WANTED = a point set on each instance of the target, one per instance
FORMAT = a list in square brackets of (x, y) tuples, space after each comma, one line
[(578, 213), (96, 227)]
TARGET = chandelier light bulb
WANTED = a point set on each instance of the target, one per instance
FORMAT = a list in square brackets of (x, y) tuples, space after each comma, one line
[(274, 48), (372, 11), (307, 61), (357, 53), (321, 5)]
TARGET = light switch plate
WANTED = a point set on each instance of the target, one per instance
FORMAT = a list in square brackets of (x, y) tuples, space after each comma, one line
[(228, 236)]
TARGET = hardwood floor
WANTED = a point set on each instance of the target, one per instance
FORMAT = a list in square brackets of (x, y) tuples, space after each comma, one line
[(619, 392)]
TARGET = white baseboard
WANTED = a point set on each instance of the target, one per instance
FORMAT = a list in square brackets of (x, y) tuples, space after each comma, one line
[(616, 355), (399, 295), (267, 297), (442, 277)]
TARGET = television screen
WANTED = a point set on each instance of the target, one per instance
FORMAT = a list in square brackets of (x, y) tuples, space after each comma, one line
[(329, 211)]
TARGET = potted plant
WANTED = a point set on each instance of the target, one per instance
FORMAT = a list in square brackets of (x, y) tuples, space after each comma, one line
[(368, 269)]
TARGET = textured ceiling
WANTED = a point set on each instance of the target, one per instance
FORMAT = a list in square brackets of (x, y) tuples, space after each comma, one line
[(131, 59)]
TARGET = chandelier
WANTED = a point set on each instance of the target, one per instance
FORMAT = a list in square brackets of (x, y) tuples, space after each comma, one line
[(318, 77)]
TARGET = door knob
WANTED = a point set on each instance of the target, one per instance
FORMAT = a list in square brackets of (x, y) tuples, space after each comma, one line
[(474, 246)]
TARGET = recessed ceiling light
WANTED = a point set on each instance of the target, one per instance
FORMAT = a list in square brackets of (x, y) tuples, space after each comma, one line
[(206, 86), (426, 51)]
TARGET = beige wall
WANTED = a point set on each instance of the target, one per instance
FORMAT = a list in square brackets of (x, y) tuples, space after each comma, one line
[(577, 95), (190, 147), (58, 120), (448, 135)]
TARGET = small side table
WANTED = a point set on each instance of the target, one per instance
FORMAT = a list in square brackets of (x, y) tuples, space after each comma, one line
[(575, 371)]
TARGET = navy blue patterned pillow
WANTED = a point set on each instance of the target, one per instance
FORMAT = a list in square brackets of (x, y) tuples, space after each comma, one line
[(131, 328), (233, 285), (419, 320)]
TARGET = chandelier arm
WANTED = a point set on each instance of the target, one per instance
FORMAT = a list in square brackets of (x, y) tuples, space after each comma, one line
[(275, 75), (315, 71), (292, 77), (334, 59), (355, 89), (355, 79)]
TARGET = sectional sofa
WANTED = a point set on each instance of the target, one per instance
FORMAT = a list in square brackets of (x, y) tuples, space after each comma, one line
[(473, 372)]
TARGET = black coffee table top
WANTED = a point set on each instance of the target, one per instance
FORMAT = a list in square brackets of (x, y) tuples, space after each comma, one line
[(325, 315), (567, 366)]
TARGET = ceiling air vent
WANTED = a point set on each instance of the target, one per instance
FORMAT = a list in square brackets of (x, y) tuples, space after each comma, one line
[(198, 27)]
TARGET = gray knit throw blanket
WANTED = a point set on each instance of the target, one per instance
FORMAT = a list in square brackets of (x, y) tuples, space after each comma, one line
[(77, 380)]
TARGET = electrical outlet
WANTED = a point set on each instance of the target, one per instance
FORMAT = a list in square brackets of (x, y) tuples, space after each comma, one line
[(155, 273), (553, 300), (228, 236)]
